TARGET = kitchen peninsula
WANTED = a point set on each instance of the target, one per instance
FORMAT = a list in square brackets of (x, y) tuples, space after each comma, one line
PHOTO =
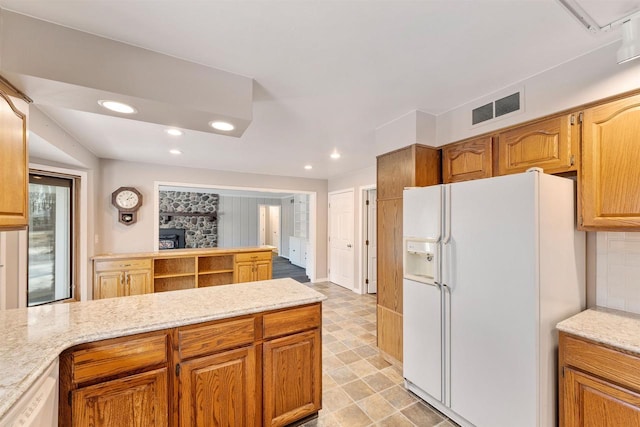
[(238, 344)]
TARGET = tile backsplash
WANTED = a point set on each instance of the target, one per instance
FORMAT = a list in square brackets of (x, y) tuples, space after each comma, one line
[(618, 270)]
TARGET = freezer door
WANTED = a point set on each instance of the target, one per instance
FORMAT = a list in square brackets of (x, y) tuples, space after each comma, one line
[(422, 343), (422, 213), (493, 295)]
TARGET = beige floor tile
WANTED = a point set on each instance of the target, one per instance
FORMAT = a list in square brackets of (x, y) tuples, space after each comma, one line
[(376, 407), (336, 347), (327, 382), (358, 390), (378, 362), (343, 375), (398, 397), (378, 381), (330, 362), (447, 423), (362, 368), (348, 357), (396, 420), (365, 351), (335, 399), (422, 415), (352, 416), (393, 374)]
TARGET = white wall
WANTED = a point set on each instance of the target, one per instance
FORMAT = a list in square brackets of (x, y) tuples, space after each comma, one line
[(356, 181), (238, 220), (119, 238), (587, 78)]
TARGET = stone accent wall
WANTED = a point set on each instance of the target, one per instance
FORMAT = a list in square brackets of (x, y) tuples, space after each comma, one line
[(201, 232)]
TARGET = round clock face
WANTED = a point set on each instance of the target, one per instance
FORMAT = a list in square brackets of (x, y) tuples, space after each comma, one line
[(127, 199)]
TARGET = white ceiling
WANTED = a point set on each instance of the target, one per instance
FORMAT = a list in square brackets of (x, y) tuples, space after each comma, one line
[(327, 73)]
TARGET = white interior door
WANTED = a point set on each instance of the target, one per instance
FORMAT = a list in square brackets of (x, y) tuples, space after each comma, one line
[(341, 254), (372, 246), (262, 226), (274, 226)]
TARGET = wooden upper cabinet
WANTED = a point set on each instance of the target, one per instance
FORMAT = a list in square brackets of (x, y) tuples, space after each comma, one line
[(550, 144), (467, 160), (610, 184), (14, 172), (412, 166)]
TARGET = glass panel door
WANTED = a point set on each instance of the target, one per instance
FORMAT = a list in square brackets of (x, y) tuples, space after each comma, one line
[(50, 239)]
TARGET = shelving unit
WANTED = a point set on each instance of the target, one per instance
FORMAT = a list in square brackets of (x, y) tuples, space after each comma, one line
[(301, 216), (215, 270)]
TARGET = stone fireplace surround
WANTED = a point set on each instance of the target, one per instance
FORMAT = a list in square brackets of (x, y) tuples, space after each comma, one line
[(200, 231)]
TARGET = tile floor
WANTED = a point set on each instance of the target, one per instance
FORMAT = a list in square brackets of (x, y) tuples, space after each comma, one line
[(360, 388)]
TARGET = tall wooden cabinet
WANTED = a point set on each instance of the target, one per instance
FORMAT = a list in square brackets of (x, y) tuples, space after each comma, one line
[(412, 166), (14, 170), (610, 182)]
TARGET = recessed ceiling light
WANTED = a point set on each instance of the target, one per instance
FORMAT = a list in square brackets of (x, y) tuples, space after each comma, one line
[(176, 152), (174, 132), (307, 167), (335, 155), (223, 126), (118, 107)]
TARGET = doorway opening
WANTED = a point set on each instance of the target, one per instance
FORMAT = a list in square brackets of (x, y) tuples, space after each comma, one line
[(370, 241), (269, 227)]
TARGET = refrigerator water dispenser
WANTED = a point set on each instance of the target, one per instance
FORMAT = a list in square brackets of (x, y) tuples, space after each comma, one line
[(419, 260)]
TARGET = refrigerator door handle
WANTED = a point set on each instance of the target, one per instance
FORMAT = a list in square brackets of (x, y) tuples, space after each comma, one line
[(446, 204)]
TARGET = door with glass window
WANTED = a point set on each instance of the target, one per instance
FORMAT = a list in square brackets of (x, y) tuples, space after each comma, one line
[(50, 239)]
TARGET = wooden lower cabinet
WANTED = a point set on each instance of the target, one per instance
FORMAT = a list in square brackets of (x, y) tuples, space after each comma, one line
[(599, 385), (136, 400), (219, 390), (121, 278), (251, 267), (251, 370), (293, 360)]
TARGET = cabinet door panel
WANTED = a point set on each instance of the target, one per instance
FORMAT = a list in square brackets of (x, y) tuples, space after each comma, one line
[(138, 282), (109, 284), (467, 160), (597, 403), (610, 185), (550, 144), (292, 378), (244, 272), (137, 400), (219, 390), (13, 165), (263, 270)]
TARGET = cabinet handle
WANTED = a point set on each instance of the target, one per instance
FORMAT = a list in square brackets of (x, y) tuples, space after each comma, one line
[(125, 265), (349, 245)]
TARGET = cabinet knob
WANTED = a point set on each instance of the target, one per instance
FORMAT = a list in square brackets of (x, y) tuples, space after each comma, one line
[(348, 245)]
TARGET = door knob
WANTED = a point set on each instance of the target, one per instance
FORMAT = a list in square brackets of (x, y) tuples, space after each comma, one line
[(348, 245)]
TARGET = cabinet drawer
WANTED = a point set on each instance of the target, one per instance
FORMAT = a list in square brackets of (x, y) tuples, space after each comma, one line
[(123, 356), (618, 367), (211, 338), (253, 256), (290, 321), (123, 264)]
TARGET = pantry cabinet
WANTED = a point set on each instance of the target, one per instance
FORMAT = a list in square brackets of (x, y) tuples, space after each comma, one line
[(599, 385), (14, 170), (610, 182), (412, 166), (551, 144), (467, 160)]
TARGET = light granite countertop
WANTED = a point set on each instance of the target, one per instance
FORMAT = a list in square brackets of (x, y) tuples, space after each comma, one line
[(170, 253), (34, 337), (607, 326)]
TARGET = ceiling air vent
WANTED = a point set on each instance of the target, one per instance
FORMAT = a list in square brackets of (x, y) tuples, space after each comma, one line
[(498, 108)]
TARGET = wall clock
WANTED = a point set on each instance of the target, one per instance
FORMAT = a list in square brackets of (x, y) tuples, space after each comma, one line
[(127, 200)]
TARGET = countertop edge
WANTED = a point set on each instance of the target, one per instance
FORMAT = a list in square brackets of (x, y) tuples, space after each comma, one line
[(614, 328), (170, 253)]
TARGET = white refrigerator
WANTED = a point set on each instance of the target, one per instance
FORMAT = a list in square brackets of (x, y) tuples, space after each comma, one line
[(490, 266)]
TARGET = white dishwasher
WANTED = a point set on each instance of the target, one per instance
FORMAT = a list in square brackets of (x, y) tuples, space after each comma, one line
[(38, 407)]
